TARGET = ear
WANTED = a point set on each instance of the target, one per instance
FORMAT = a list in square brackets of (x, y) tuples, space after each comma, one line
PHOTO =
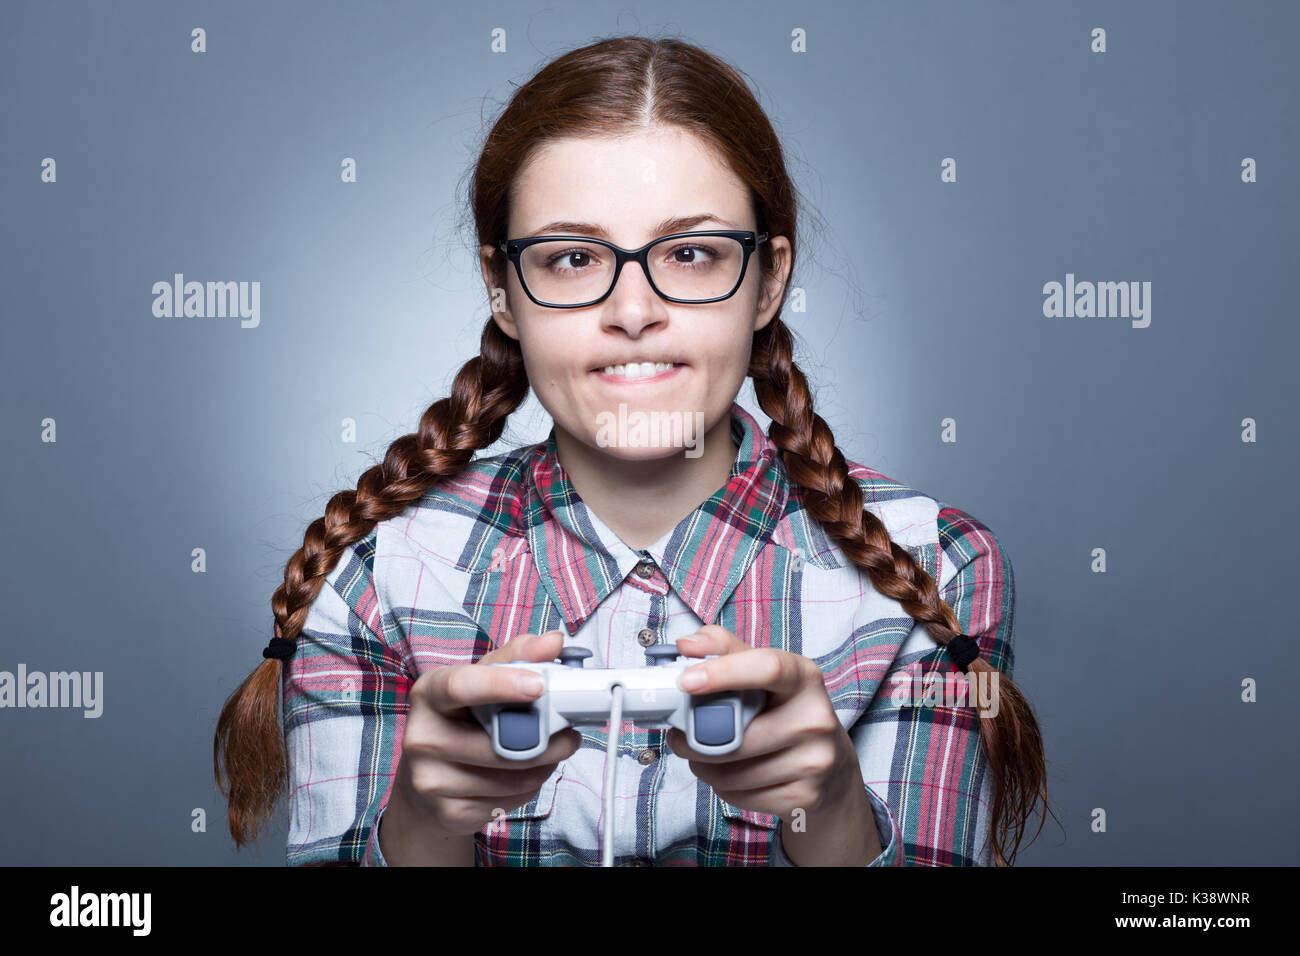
[(773, 286), (497, 294)]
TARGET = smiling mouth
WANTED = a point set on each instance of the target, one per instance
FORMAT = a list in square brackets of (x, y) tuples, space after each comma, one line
[(638, 372)]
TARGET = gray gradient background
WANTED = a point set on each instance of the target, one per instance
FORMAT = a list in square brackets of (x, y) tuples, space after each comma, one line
[(924, 302)]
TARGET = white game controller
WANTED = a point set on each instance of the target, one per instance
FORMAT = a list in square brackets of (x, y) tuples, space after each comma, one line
[(573, 696)]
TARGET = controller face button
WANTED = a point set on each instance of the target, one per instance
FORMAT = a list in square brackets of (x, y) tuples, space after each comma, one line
[(715, 724), (519, 729)]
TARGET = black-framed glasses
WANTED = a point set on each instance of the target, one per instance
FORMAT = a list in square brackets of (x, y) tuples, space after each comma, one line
[(570, 272)]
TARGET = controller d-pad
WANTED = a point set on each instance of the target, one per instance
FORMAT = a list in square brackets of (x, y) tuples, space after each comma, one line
[(519, 729), (715, 724)]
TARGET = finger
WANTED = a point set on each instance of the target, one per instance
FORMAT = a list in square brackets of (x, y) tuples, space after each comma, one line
[(453, 687), (530, 647), (473, 782), (711, 639), (469, 742), (766, 734), (448, 692), (780, 673), (759, 773)]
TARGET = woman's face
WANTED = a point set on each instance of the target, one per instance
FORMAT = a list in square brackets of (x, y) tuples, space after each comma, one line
[(622, 190)]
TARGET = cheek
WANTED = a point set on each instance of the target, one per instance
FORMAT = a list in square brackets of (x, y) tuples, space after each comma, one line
[(540, 347), (543, 376), (729, 350)]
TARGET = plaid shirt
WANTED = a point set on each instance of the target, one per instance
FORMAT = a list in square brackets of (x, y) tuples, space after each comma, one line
[(507, 547)]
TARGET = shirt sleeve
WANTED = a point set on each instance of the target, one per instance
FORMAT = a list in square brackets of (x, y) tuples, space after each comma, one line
[(925, 755), (345, 703)]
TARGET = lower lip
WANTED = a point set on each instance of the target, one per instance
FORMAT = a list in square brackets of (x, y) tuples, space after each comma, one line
[(640, 379)]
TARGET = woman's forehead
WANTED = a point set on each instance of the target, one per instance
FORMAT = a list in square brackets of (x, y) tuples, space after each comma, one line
[(627, 185)]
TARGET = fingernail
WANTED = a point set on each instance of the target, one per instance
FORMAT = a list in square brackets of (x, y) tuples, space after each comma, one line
[(530, 684), (693, 679)]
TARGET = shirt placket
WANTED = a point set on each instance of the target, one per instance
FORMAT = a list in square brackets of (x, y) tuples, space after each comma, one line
[(640, 624)]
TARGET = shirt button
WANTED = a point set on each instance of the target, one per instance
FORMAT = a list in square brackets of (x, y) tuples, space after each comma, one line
[(645, 637), (639, 862), (645, 569), (646, 757)]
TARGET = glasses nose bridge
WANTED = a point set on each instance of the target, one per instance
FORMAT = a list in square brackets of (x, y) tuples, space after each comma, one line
[(637, 256)]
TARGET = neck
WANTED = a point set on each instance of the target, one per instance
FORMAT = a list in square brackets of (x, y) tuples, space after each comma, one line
[(641, 500)]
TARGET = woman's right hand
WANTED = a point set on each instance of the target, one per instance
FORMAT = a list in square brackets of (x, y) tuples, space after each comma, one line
[(448, 773)]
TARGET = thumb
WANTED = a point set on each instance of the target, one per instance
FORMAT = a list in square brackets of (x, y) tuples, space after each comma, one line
[(528, 647)]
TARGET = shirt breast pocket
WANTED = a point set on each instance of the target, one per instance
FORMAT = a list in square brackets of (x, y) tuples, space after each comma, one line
[(540, 807), (516, 837), (739, 837), (747, 818)]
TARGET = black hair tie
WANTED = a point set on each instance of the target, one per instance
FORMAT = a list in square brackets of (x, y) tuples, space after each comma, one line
[(279, 647), (963, 650)]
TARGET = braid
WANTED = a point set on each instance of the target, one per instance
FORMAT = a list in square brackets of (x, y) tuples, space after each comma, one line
[(1011, 740), (248, 738)]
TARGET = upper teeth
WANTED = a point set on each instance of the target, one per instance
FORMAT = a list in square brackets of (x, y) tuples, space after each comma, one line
[(638, 369)]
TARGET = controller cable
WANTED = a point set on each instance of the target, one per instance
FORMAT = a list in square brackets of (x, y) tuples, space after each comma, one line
[(607, 787)]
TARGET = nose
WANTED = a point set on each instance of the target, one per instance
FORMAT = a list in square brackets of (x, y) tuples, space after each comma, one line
[(633, 304)]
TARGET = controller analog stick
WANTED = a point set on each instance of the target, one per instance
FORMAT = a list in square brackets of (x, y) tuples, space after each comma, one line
[(662, 654), (574, 656)]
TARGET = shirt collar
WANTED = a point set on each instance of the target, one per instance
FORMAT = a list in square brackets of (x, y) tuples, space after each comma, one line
[(703, 558)]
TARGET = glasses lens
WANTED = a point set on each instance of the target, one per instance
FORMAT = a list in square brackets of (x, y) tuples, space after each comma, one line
[(701, 267), (568, 272)]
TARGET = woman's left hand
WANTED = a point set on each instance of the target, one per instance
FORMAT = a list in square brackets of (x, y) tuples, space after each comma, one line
[(796, 754)]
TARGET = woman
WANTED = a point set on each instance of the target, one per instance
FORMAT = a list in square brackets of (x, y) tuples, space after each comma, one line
[(637, 230)]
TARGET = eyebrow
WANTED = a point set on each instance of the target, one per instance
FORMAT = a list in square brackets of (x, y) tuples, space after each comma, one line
[(671, 225)]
